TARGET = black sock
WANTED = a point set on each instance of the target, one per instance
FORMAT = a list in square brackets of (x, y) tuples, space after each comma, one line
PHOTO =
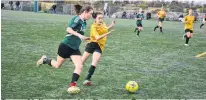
[(156, 27), (135, 30), (201, 25), (160, 29), (185, 36), (138, 32), (75, 77), (47, 61), (90, 72), (187, 40)]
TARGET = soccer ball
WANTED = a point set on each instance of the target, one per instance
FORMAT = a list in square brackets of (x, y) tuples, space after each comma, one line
[(132, 86)]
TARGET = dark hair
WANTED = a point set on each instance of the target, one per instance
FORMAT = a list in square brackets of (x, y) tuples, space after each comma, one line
[(94, 15), (79, 9)]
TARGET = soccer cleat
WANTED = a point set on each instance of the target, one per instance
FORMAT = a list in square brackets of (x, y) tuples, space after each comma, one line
[(186, 44), (87, 83), (73, 90), (40, 61)]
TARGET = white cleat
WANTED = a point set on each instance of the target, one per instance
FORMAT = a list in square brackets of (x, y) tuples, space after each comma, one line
[(40, 61), (186, 44), (87, 83), (73, 90)]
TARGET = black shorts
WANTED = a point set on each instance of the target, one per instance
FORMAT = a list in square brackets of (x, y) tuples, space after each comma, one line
[(139, 25), (65, 51), (93, 47), (188, 30), (161, 19)]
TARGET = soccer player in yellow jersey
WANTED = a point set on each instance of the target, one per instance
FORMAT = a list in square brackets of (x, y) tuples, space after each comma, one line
[(161, 16), (98, 37), (189, 21)]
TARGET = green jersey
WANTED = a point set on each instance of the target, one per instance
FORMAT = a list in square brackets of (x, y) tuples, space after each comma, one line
[(79, 26), (139, 16)]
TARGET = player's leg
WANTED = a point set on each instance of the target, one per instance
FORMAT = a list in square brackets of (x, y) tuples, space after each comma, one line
[(139, 25), (187, 39), (188, 36), (160, 25), (89, 49), (139, 30), (62, 55), (77, 60), (157, 25), (95, 59), (202, 24), (85, 56), (136, 28), (54, 63)]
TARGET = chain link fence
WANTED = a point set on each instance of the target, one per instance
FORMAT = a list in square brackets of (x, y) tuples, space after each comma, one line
[(126, 12), (130, 13), (44, 7)]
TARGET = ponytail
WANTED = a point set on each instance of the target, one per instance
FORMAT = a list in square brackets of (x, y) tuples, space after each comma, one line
[(77, 8)]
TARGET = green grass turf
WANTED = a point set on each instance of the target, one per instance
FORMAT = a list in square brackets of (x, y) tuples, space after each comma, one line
[(162, 65)]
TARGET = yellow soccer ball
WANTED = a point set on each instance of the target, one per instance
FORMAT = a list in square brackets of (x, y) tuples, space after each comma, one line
[(132, 86)]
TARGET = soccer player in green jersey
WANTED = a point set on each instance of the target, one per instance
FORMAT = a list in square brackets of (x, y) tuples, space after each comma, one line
[(69, 46), (139, 18)]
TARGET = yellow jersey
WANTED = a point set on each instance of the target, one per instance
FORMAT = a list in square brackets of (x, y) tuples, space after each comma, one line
[(190, 21), (161, 14), (97, 30)]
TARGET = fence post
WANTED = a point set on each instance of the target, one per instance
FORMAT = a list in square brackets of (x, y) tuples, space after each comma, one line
[(71, 9), (36, 8)]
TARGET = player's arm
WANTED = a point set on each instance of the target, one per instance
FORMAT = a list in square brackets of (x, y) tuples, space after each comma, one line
[(143, 16), (185, 20), (165, 14), (203, 20), (157, 15), (102, 36), (111, 25), (194, 25), (70, 30), (138, 18)]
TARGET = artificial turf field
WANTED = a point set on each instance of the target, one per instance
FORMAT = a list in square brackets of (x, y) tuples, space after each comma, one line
[(160, 63)]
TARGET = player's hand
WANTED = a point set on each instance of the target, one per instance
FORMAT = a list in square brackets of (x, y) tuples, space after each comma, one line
[(113, 23)]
